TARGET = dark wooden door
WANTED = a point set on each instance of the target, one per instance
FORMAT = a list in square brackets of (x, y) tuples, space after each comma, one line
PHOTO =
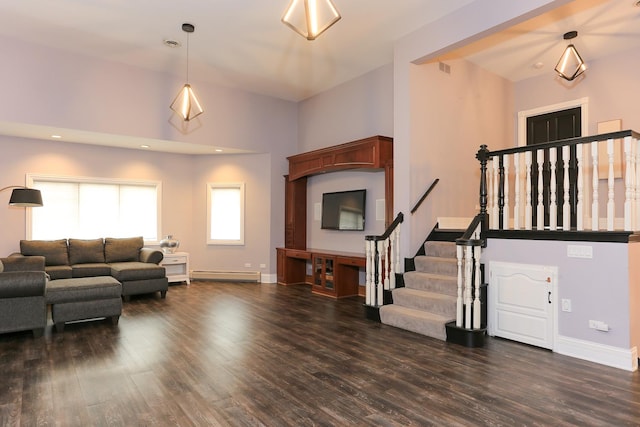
[(552, 127)]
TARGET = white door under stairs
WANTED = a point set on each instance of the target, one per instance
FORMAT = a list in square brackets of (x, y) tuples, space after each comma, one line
[(522, 302)]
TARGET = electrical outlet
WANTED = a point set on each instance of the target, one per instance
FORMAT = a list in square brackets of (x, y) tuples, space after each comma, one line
[(598, 325), (247, 264), (263, 265), (566, 305)]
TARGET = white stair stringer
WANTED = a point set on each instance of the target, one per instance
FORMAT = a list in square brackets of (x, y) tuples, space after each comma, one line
[(428, 300)]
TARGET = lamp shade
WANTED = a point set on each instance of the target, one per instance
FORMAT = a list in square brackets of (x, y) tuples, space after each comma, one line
[(310, 18), (186, 104), (25, 197)]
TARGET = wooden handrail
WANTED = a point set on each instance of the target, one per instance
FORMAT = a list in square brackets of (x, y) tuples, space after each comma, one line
[(569, 141), (389, 230), (424, 196)]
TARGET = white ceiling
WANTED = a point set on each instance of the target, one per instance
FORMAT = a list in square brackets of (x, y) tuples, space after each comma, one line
[(239, 43), (242, 43)]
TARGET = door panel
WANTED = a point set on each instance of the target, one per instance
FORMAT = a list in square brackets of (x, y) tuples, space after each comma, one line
[(522, 302), (552, 127)]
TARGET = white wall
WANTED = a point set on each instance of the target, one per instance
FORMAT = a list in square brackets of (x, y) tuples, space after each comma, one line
[(452, 115)]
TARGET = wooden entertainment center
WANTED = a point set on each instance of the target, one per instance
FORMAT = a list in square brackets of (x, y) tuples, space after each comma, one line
[(334, 273)]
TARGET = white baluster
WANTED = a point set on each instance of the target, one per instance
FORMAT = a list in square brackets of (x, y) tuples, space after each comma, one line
[(566, 207), (628, 185), (540, 205), (611, 213), (595, 214), (528, 210), (468, 264), (368, 272), (398, 267), (477, 305), (495, 211), (636, 147), (459, 303), (505, 211), (553, 184), (387, 261), (393, 248), (580, 203), (379, 284), (517, 182)]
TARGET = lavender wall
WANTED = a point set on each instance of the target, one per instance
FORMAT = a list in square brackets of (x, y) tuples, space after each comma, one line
[(51, 87), (598, 288), (608, 83), (358, 109)]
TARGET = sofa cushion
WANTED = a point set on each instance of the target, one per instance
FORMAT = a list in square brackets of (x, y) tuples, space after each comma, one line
[(54, 251), (83, 289), (86, 251), (91, 269), (59, 272), (123, 249), (124, 271), (23, 263)]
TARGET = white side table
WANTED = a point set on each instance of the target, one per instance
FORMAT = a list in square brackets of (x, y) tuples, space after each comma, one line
[(177, 267)]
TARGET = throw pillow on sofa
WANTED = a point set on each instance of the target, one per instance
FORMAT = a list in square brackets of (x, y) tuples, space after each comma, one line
[(86, 251), (54, 251), (122, 249)]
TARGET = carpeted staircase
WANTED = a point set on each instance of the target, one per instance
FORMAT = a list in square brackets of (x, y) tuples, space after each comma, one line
[(428, 300)]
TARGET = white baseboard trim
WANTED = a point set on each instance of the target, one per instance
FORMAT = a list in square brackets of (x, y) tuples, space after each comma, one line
[(615, 357), (268, 278)]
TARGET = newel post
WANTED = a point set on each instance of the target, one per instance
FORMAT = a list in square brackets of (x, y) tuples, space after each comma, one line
[(483, 157)]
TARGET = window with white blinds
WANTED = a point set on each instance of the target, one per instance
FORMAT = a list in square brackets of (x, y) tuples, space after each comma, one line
[(87, 208), (225, 213)]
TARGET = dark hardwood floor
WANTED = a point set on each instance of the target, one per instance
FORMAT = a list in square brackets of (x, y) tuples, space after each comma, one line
[(243, 354)]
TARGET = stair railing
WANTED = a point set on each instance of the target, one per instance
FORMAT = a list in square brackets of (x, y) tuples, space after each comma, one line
[(425, 195), (469, 254), (382, 262), (557, 185)]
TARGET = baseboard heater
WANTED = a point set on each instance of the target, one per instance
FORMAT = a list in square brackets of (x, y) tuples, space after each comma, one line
[(236, 276)]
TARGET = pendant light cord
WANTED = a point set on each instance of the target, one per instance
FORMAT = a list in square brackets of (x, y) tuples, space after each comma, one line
[(187, 58)]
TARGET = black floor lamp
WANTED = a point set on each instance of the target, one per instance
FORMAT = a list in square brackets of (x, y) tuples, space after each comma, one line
[(23, 196)]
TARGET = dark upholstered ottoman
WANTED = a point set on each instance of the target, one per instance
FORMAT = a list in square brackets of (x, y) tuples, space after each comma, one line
[(84, 298)]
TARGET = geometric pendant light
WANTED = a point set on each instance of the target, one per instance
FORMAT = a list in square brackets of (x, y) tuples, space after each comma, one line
[(570, 64), (185, 103), (310, 18)]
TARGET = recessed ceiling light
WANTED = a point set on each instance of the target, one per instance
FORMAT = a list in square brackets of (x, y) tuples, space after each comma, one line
[(538, 65), (218, 150), (171, 43), (56, 136), (144, 146)]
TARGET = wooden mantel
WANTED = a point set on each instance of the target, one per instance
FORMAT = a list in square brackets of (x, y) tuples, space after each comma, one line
[(372, 153)]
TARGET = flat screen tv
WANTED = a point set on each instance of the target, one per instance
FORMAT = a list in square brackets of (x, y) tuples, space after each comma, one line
[(343, 210)]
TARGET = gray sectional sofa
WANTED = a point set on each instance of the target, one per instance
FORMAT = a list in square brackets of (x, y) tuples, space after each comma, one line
[(125, 259), (79, 279)]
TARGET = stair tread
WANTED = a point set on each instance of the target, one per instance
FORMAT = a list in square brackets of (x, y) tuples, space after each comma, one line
[(425, 294), (434, 275), (424, 315)]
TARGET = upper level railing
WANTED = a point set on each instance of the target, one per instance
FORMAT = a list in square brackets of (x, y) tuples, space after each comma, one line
[(586, 183), (382, 262)]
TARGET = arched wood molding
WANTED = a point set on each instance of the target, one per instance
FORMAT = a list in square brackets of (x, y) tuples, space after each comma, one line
[(371, 153)]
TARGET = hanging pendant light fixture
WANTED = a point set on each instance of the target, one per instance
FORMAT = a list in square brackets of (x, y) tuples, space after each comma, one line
[(570, 64), (185, 103), (310, 18)]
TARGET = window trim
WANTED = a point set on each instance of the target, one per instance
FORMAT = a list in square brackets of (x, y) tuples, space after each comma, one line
[(228, 185), (31, 177)]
